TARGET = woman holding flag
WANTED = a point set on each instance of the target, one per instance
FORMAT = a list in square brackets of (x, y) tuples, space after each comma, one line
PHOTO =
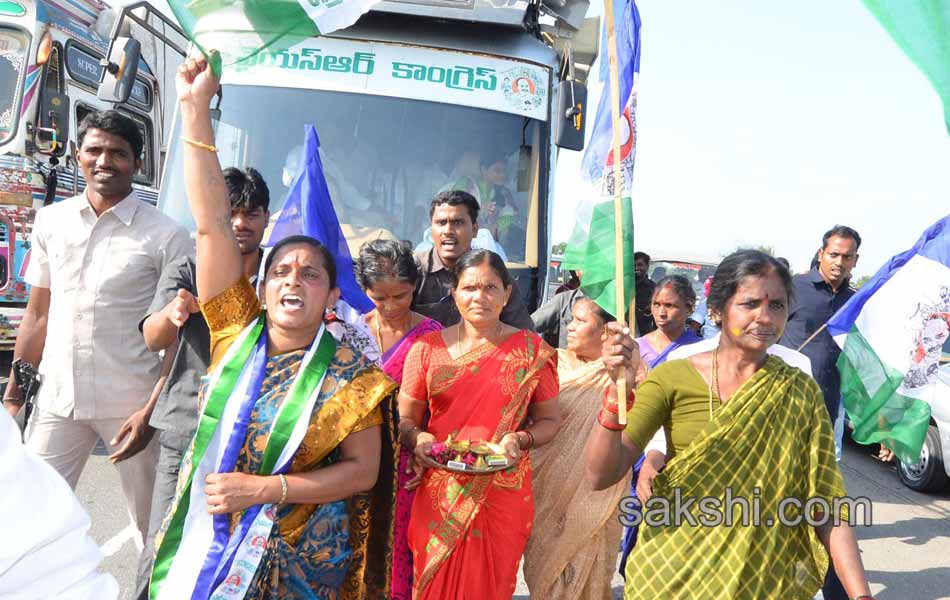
[(739, 424), (272, 494), (480, 380)]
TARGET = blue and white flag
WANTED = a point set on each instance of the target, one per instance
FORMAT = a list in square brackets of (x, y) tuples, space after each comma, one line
[(892, 334), (598, 154), (308, 210)]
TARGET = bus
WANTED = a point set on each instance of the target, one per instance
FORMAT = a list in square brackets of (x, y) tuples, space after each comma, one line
[(50, 71)]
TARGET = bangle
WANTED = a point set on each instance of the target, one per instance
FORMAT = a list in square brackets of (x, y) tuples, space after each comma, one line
[(283, 488), (864, 597), (198, 144), (14, 401), (606, 425), (530, 439), (406, 434), (609, 399)]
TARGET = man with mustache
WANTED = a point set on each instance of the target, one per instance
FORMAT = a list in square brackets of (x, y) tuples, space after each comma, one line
[(454, 217), (95, 260), (175, 323), (819, 294)]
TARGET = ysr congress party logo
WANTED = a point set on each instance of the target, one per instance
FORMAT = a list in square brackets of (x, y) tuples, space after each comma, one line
[(523, 88)]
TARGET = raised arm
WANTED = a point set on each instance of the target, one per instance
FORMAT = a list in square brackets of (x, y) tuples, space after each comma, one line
[(609, 454), (218, 258)]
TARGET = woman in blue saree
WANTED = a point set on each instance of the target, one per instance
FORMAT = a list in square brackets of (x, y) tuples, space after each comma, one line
[(287, 489), (673, 302)]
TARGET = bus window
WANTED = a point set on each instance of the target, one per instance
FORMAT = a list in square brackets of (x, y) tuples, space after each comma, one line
[(13, 47)]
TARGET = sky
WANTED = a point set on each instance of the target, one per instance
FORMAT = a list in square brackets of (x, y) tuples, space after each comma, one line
[(765, 123)]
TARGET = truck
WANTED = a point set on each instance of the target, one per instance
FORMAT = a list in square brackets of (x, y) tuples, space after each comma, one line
[(51, 54), (415, 98)]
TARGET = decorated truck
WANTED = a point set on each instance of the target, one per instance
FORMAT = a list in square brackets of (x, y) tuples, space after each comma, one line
[(50, 70), (415, 98)]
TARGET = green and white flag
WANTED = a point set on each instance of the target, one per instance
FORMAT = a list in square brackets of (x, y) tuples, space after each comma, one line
[(893, 333), (275, 24), (922, 29), (592, 252)]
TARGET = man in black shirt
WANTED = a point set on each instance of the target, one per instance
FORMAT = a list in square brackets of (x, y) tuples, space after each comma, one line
[(175, 324), (454, 216), (819, 294)]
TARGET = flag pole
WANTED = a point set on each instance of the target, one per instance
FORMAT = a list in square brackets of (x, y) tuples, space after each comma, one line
[(618, 200)]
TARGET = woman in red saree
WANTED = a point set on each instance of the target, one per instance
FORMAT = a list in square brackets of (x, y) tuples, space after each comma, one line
[(480, 380)]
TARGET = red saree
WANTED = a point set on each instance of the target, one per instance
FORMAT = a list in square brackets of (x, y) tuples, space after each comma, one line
[(467, 532)]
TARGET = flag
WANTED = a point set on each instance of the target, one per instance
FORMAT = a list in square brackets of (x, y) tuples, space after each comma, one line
[(892, 333), (275, 25), (308, 210), (922, 29), (590, 248), (595, 257), (598, 153)]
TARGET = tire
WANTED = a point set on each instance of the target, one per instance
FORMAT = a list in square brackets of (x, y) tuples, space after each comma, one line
[(928, 475)]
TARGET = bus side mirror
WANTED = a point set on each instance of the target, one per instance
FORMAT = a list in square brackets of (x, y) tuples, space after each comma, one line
[(119, 70), (570, 116)]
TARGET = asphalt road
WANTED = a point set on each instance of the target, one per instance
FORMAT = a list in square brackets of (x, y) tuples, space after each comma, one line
[(906, 550)]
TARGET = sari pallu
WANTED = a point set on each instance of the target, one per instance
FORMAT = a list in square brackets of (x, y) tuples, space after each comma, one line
[(282, 551), (653, 359), (572, 552), (771, 440), (392, 363), (467, 532)]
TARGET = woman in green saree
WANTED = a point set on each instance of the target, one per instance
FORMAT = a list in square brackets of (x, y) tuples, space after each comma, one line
[(286, 491), (739, 424)]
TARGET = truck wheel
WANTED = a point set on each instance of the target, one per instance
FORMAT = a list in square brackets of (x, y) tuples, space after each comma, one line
[(928, 475)]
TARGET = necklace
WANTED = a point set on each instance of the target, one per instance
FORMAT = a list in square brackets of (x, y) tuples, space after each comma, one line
[(714, 377), (458, 337)]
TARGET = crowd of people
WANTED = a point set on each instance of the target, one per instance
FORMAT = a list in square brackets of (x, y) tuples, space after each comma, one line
[(294, 448)]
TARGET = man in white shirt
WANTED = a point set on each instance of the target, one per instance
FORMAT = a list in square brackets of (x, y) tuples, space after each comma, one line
[(94, 264)]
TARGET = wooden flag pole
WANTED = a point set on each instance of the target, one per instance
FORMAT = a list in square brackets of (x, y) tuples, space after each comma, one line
[(618, 200)]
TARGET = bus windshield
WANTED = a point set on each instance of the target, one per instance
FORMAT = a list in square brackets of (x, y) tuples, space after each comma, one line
[(384, 159)]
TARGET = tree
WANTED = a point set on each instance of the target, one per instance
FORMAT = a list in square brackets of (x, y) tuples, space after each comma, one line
[(860, 281), (559, 248)]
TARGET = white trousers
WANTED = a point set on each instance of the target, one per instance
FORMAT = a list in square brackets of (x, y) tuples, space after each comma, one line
[(66, 443)]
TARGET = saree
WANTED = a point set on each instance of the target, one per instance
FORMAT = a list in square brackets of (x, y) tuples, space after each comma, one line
[(467, 532), (652, 359), (572, 552), (771, 441), (330, 551), (392, 362)]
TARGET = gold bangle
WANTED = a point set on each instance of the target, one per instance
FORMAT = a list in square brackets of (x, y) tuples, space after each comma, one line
[(198, 144), (283, 488)]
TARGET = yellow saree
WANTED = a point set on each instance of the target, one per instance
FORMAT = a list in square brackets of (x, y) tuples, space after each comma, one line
[(572, 551), (772, 440)]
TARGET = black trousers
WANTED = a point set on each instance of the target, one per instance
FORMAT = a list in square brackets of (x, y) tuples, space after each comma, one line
[(172, 447)]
